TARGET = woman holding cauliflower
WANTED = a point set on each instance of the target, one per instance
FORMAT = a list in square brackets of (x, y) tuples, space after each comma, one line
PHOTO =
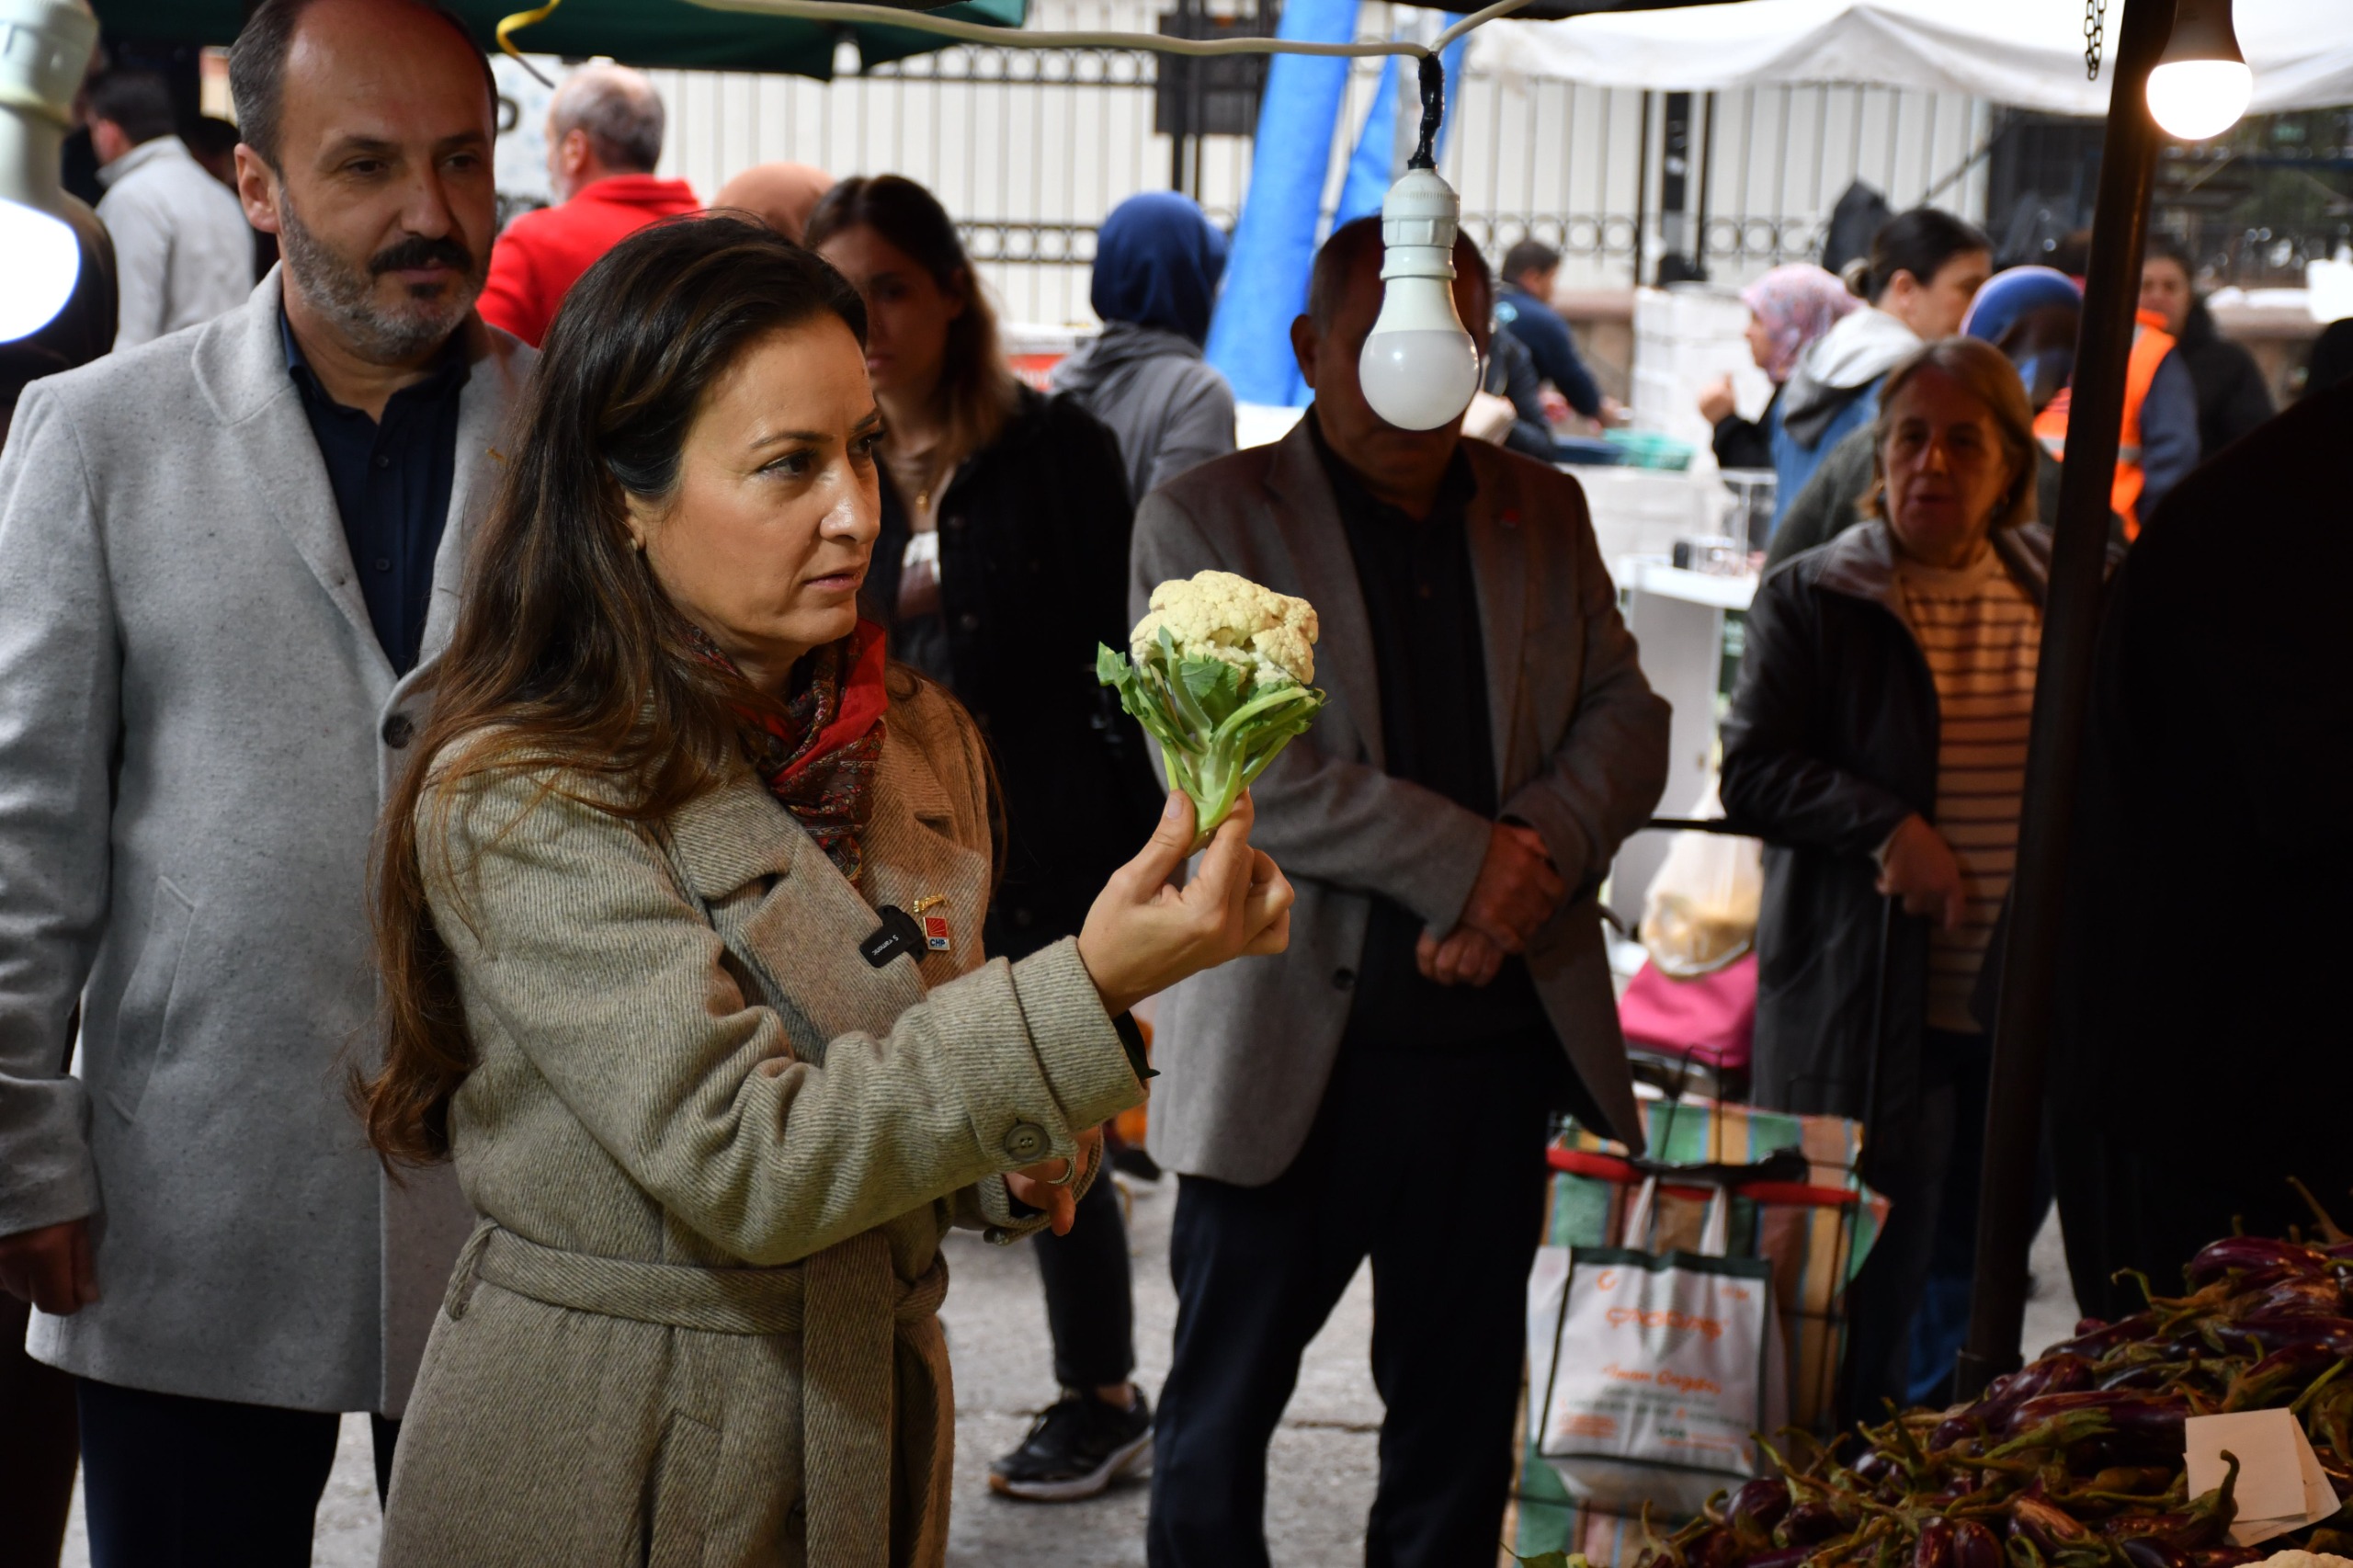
[(643, 911)]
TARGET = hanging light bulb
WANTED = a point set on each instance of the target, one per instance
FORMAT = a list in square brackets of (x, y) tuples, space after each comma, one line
[(44, 262), (2201, 83), (1419, 367), (44, 45)]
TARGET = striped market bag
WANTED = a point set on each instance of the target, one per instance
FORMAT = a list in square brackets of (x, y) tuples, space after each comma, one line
[(1809, 1216)]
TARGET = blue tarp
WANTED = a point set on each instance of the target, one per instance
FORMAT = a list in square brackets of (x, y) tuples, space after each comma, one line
[(1274, 243)]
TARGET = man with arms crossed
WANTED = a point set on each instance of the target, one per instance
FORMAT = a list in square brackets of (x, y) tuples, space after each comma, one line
[(1384, 1089), (226, 561)]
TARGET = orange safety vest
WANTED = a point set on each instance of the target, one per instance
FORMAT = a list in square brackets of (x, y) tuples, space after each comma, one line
[(2151, 344)]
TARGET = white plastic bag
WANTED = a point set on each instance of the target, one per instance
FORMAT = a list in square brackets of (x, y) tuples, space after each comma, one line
[(1650, 1374), (1699, 913)]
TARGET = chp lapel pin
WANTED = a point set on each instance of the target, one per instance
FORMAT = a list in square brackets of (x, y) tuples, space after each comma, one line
[(937, 938)]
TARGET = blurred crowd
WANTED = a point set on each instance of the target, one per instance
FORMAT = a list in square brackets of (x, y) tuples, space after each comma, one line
[(235, 508)]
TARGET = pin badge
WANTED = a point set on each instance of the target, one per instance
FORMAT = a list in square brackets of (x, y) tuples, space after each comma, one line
[(936, 937)]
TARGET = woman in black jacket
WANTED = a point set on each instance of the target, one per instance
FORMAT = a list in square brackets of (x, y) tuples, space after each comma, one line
[(2231, 396), (1877, 740), (1003, 562)]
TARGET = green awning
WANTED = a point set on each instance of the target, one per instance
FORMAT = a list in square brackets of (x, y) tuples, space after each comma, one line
[(635, 32)]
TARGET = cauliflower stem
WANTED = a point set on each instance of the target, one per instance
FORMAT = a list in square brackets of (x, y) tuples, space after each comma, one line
[(1218, 721)]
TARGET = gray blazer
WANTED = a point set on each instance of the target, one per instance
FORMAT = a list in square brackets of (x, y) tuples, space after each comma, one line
[(1580, 756), (197, 724)]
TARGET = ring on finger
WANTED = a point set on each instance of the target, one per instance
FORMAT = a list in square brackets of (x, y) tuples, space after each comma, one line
[(1069, 1173)]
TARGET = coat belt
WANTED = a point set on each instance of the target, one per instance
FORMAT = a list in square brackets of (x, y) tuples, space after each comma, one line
[(872, 1357)]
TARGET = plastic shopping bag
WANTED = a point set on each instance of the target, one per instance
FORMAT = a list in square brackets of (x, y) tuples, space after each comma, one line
[(1699, 913), (1650, 1374)]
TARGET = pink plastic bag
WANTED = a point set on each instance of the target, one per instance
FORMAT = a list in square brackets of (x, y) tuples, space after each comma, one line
[(1711, 1018)]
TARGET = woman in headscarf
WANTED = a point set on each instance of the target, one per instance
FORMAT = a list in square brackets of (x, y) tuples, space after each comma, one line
[(779, 195), (1157, 261), (1787, 309)]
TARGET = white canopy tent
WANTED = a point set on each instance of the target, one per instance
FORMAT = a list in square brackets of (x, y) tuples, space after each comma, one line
[(2028, 53)]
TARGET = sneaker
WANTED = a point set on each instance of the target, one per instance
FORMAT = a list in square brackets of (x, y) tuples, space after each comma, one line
[(1075, 1448)]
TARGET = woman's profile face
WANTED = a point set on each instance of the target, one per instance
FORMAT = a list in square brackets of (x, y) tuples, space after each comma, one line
[(1936, 308), (907, 312), (1760, 340), (765, 540), (1946, 469)]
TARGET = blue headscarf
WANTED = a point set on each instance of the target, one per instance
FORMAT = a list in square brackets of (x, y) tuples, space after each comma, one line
[(1157, 261), (2008, 299)]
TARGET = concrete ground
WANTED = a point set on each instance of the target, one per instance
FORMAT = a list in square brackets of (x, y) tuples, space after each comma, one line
[(1321, 1472)]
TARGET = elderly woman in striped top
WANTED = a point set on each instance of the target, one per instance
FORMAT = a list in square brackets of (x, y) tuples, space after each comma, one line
[(1878, 740)]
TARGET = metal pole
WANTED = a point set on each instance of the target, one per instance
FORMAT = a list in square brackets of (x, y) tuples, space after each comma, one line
[(1642, 186), (2062, 690)]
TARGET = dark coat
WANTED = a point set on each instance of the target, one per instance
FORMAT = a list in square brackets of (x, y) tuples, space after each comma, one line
[(2231, 396), (2190, 1086), (1830, 745), (1033, 574)]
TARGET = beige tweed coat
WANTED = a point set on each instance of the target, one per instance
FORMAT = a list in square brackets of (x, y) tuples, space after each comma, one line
[(715, 1151)]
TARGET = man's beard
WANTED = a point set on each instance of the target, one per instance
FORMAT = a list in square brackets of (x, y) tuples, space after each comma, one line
[(347, 294)]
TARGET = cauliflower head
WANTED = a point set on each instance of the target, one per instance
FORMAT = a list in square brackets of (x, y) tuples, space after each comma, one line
[(1220, 615)]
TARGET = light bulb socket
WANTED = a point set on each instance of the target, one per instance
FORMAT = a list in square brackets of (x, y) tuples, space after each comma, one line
[(1419, 219), (2201, 30)]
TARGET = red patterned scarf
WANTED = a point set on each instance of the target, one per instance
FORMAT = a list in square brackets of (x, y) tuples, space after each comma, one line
[(822, 757)]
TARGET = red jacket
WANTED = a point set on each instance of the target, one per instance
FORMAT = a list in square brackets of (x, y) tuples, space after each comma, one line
[(539, 255)]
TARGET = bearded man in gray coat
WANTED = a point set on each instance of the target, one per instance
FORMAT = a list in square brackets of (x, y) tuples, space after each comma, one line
[(1382, 1089), (227, 559)]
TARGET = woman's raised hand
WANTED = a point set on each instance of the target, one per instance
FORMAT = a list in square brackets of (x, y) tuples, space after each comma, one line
[(1143, 935)]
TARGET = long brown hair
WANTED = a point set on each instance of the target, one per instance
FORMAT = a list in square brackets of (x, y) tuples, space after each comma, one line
[(567, 653), (977, 389)]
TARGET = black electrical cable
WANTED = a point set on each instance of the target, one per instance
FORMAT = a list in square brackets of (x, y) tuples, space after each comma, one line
[(1433, 110)]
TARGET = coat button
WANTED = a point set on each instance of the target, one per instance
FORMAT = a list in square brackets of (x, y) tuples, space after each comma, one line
[(399, 730), (1026, 1143), (1343, 978)]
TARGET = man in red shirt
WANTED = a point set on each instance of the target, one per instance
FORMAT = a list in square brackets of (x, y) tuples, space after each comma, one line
[(604, 138)]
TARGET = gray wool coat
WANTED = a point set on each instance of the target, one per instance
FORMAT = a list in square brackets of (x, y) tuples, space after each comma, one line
[(197, 725), (1580, 755), (715, 1150)]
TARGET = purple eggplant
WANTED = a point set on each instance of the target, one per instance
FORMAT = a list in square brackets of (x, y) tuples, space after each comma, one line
[(1934, 1546), (1974, 1546), (1779, 1557), (2046, 1524), (2297, 1297), (1808, 1523), (1761, 1503), (2251, 1254), (2266, 1334), (2061, 1372), (2095, 1339), (2228, 1556), (2149, 1552), (2129, 1425)]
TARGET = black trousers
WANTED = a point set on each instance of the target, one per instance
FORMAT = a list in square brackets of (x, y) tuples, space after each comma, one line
[(1923, 1165), (1432, 1164), (1090, 1293), (170, 1482), (36, 1446)]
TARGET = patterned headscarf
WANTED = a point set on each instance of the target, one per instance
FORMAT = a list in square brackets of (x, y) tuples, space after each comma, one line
[(822, 757), (1797, 304)]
